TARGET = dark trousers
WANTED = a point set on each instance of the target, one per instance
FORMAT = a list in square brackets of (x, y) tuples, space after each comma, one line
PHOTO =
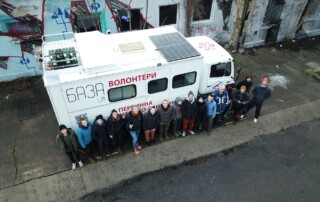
[(73, 154), (117, 139), (163, 130), (258, 108), (238, 109), (176, 125), (103, 147), (88, 150), (208, 123)]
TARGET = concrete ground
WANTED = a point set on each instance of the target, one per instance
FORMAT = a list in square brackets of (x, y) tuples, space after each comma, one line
[(279, 167), (35, 169)]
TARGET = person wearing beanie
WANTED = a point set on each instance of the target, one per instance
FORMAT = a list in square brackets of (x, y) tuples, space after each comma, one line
[(85, 138), (99, 133), (189, 112), (247, 82), (260, 94), (165, 112), (66, 139), (134, 125), (150, 124), (222, 100), (240, 99), (115, 130), (177, 116)]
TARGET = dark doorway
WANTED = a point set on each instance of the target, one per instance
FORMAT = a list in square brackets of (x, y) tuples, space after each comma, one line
[(272, 33), (135, 19)]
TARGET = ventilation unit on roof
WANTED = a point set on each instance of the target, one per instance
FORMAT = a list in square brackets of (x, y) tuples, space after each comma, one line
[(131, 47)]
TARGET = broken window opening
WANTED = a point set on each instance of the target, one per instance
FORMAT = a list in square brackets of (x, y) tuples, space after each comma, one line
[(202, 10), (168, 15)]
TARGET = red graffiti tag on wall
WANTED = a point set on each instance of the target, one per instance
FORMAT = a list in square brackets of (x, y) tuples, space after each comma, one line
[(206, 46)]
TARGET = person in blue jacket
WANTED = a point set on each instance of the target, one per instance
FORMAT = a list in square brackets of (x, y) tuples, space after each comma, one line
[(84, 137), (211, 112), (222, 100)]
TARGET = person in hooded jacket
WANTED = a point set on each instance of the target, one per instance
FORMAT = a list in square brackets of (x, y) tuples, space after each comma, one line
[(211, 112), (189, 112), (247, 82), (134, 126), (85, 138), (177, 116), (165, 112), (201, 113), (240, 99), (260, 94), (150, 124), (67, 140), (222, 100), (99, 133), (115, 130)]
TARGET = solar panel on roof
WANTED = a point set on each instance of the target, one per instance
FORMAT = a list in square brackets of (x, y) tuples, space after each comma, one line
[(173, 46)]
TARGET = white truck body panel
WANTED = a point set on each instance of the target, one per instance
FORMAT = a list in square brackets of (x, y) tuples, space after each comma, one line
[(127, 59)]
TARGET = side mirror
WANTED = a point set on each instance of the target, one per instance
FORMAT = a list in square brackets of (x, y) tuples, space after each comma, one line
[(237, 74)]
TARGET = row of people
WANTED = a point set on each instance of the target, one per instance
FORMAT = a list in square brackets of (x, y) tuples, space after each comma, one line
[(186, 116)]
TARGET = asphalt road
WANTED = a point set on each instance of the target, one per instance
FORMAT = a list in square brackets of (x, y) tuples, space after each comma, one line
[(280, 167)]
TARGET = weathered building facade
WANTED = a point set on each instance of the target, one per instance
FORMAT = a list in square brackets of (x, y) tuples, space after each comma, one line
[(238, 23)]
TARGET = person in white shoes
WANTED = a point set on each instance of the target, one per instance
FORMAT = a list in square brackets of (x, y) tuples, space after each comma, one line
[(260, 94), (66, 139)]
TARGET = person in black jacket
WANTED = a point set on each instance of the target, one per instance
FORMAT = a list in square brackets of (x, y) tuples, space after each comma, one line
[(240, 99), (134, 126), (115, 130), (260, 94), (189, 112), (247, 83), (166, 113), (150, 124), (99, 133), (201, 113)]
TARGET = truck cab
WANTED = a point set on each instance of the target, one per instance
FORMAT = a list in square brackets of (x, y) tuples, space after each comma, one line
[(218, 66)]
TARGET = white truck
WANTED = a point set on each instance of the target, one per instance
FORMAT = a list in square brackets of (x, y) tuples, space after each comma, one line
[(92, 73)]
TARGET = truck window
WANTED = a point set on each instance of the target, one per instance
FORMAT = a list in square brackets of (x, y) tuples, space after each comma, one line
[(182, 80), (122, 93), (158, 85), (221, 69)]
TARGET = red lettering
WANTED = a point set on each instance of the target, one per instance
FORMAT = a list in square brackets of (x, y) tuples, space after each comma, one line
[(144, 77), (123, 81), (154, 75), (128, 80), (116, 82), (134, 79), (110, 83)]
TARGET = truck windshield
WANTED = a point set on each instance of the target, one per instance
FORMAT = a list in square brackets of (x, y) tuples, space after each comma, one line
[(220, 69)]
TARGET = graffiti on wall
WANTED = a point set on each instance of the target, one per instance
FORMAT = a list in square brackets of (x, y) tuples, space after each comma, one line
[(204, 30), (61, 18)]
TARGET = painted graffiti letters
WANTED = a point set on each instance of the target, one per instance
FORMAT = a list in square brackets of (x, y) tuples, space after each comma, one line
[(206, 46)]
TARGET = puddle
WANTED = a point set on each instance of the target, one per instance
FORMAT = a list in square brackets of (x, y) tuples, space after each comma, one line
[(278, 80)]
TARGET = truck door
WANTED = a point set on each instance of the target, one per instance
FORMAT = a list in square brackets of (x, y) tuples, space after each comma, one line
[(219, 74)]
